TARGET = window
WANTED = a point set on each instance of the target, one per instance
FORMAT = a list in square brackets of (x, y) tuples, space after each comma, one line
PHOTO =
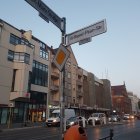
[(10, 55), (43, 51), (40, 74), (27, 58), (69, 75), (13, 79), (18, 56), (14, 39), (69, 86), (22, 57)]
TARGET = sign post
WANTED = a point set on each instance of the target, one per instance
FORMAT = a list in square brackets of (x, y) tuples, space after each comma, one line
[(62, 96), (48, 15)]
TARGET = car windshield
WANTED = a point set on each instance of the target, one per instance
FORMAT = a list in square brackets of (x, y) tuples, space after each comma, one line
[(54, 115), (95, 115), (72, 119)]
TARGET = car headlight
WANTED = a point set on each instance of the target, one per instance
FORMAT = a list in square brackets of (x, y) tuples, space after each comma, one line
[(71, 123), (54, 120), (96, 119)]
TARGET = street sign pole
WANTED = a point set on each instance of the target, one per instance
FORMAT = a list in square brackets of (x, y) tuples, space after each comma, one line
[(62, 95), (48, 15)]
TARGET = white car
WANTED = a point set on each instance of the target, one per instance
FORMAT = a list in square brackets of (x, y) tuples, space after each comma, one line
[(126, 116), (97, 118)]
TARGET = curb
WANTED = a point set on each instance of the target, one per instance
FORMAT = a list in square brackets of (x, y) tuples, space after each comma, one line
[(18, 128)]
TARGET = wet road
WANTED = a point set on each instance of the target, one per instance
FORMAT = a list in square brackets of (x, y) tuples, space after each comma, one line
[(130, 130), (125, 131)]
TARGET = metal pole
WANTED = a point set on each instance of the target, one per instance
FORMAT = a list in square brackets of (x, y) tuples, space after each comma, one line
[(9, 120), (62, 95)]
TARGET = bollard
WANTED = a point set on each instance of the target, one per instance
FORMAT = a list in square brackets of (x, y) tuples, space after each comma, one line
[(93, 122), (111, 134), (75, 132), (105, 120)]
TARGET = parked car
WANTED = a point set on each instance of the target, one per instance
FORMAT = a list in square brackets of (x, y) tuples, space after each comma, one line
[(126, 116), (76, 120), (54, 119), (99, 118), (71, 121), (114, 118)]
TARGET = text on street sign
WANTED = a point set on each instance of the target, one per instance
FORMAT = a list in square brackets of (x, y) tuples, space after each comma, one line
[(87, 32), (46, 12)]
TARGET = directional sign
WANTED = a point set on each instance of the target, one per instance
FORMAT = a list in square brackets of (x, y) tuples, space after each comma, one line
[(87, 32), (61, 57), (46, 12)]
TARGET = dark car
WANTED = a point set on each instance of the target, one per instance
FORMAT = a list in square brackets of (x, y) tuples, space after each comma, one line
[(114, 118), (71, 121)]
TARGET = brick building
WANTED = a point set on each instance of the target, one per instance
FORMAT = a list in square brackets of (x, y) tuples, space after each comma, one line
[(121, 101)]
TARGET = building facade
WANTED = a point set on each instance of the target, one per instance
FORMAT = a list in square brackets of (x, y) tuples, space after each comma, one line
[(121, 101), (30, 83), (134, 102), (24, 63)]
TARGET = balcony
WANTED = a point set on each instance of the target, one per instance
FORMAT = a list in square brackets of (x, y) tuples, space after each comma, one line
[(80, 72), (79, 82), (55, 75), (54, 88), (79, 93), (20, 96)]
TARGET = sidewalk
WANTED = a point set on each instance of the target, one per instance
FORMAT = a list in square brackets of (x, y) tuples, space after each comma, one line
[(4, 127)]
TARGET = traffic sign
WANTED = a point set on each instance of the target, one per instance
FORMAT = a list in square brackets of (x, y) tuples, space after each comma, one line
[(46, 13), (61, 57), (87, 32)]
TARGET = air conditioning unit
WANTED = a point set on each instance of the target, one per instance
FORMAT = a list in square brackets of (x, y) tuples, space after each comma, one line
[(11, 104)]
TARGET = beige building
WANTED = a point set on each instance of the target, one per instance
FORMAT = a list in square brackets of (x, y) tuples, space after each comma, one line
[(24, 63), (72, 83)]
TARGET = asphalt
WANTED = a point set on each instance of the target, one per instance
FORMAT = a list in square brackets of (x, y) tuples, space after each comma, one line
[(15, 126)]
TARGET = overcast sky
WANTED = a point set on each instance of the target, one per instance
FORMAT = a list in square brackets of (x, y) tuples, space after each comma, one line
[(114, 55)]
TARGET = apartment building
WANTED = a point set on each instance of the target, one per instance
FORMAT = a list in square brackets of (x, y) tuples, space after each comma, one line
[(55, 83), (24, 63)]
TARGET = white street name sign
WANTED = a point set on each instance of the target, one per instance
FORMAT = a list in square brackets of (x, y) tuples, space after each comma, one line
[(87, 32), (45, 12)]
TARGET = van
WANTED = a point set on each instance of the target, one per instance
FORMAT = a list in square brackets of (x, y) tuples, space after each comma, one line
[(98, 118), (54, 119)]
